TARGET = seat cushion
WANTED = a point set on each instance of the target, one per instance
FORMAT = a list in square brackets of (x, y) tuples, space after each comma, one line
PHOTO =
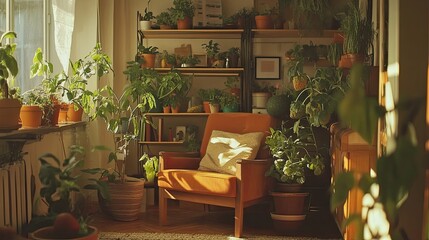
[(225, 148), (198, 182)]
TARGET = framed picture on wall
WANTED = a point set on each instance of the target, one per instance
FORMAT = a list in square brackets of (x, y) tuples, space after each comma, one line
[(180, 133), (267, 68)]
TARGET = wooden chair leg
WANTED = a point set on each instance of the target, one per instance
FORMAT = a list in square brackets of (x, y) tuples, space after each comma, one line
[(162, 207), (238, 229)]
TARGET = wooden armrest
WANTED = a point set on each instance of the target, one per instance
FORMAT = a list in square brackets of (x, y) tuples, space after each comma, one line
[(179, 160), (254, 183)]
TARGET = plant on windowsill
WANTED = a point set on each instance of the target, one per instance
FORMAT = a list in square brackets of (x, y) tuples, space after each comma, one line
[(96, 63), (10, 104), (183, 11), (34, 100), (123, 113), (51, 86)]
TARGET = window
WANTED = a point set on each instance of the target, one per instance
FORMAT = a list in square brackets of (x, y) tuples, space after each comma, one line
[(26, 18)]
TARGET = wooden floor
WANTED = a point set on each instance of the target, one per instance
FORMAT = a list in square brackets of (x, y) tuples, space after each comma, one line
[(181, 219)]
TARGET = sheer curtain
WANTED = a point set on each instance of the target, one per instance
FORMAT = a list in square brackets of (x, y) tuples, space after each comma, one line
[(28, 25)]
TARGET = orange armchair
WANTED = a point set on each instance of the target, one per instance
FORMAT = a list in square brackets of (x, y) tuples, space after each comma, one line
[(180, 179)]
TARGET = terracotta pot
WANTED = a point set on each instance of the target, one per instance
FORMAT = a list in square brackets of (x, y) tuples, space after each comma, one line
[(185, 23), (206, 106), (175, 109), (31, 116), (288, 187), (347, 60), (166, 109), (165, 27), (125, 200), (264, 22), (149, 60), (74, 115), (9, 112), (164, 64), (291, 203), (214, 107), (62, 117), (47, 233), (51, 115)]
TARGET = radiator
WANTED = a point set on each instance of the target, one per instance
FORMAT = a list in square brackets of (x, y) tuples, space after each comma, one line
[(15, 195)]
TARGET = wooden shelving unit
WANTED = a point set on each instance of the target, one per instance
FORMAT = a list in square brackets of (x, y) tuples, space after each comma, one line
[(292, 33), (193, 33), (175, 114), (206, 72)]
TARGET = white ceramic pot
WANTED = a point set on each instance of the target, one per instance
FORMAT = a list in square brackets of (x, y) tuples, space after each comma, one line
[(145, 25), (259, 99)]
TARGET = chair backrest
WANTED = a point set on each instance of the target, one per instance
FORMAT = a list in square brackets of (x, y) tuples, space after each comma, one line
[(238, 123)]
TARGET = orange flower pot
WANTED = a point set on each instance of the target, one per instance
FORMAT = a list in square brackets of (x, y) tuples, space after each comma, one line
[(9, 112), (74, 115), (31, 116), (185, 23)]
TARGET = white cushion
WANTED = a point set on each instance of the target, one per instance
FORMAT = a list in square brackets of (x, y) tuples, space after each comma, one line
[(224, 149)]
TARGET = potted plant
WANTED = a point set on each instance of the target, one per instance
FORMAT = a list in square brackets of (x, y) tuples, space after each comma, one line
[(147, 56), (168, 60), (212, 49), (214, 99), (183, 11), (65, 218), (145, 20), (264, 19), (10, 105), (51, 86), (96, 63), (319, 99), (122, 114), (229, 102), (165, 20), (241, 15), (233, 85), (261, 94), (359, 34), (311, 14), (174, 86), (189, 61), (294, 150), (204, 95), (151, 167), (233, 56), (31, 111)]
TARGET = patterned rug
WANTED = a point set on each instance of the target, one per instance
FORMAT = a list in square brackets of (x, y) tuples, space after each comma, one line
[(180, 236)]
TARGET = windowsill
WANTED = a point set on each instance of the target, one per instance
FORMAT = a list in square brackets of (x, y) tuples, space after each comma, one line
[(24, 134)]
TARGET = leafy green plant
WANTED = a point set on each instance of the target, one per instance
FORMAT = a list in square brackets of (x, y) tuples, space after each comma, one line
[(229, 100), (182, 9), (123, 112), (294, 149), (148, 15), (59, 180), (166, 18), (96, 63), (232, 82), (169, 58), (334, 53), (311, 14), (234, 51), (8, 65), (358, 31), (147, 50), (320, 97), (188, 61), (211, 48), (151, 166), (174, 87)]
